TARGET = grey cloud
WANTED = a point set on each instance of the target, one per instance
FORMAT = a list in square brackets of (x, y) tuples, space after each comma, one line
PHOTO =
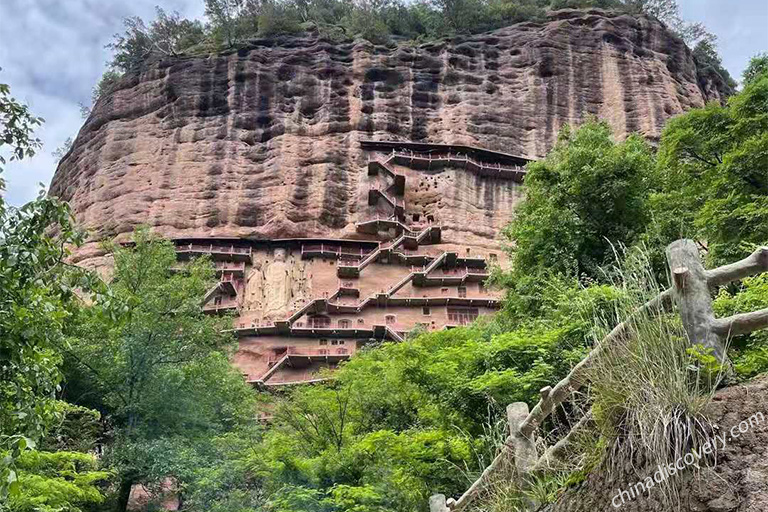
[(52, 53)]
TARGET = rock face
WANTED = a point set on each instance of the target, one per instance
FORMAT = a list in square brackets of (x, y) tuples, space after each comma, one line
[(738, 482), (262, 158), (264, 142)]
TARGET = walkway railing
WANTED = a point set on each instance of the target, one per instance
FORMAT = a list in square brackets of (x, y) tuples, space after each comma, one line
[(430, 160), (691, 292)]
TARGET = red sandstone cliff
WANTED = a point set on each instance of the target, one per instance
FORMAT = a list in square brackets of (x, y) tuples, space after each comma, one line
[(263, 142)]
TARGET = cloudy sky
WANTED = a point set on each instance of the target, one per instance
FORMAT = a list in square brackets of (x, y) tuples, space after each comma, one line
[(52, 53)]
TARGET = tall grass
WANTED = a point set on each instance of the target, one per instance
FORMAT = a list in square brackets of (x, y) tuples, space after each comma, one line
[(648, 393), (649, 390)]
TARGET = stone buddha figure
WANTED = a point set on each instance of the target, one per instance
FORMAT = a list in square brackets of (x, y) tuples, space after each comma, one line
[(254, 288), (277, 285)]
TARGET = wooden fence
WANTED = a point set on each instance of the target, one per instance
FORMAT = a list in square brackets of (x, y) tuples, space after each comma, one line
[(691, 293)]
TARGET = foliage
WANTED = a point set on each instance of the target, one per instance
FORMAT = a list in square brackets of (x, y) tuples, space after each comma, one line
[(748, 352), (231, 23), (757, 68), (402, 421), (58, 482), (168, 34), (232, 20), (140, 337), (277, 18), (105, 85), (708, 60), (710, 180), (62, 150), (146, 354), (17, 125), (75, 429), (587, 195), (222, 476), (36, 293), (648, 388)]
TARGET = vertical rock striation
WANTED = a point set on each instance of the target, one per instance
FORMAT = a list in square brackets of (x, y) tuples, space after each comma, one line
[(263, 142)]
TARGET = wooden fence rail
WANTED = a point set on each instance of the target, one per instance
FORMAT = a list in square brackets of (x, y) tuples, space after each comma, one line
[(691, 292)]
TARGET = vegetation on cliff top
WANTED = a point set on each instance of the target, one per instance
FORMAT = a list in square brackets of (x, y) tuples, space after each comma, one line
[(139, 370), (231, 23)]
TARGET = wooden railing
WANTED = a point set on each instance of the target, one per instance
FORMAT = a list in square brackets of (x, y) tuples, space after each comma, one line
[(332, 250), (213, 249), (429, 160), (691, 293)]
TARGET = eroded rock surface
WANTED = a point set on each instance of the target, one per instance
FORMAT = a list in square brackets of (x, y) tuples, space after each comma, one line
[(255, 158), (263, 142)]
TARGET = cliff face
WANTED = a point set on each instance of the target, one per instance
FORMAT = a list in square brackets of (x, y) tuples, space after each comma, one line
[(263, 142)]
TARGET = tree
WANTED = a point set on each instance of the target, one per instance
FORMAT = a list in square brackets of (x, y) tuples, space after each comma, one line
[(398, 420), (584, 199), (711, 178), (17, 125), (460, 15), (758, 66), (62, 150), (36, 294), (106, 85), (708, 60), (167, 35), (133, 46), (155, 362), (232, 20), (58, 481), (170, 33), (277, 18), (365, 22)]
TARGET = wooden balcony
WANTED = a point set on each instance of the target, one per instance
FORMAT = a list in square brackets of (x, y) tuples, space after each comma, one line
[(216, 251)]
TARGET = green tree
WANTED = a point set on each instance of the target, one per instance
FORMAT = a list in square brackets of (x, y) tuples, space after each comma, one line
[(584, 199), (167, 35), (711, 181), (155, 363), (17, 126), (399, 420), (58, 482), (758, 67), (132, 47), (233, 20), (709, 62), (277, 17), (36, 293), (104, 86), (171, 34), (62, 150)]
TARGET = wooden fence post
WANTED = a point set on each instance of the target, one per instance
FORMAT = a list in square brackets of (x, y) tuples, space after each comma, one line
[(437, 503), (691, 292), (523, 447)]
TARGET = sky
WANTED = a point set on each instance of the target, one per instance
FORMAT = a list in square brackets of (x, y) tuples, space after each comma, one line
[(52, 53)]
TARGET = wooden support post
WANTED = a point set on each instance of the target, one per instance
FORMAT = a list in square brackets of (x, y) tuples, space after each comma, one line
[(437, 503), (524, 448), (691, 292)]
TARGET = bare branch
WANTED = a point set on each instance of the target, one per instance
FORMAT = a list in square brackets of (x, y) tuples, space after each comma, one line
[(756, 263), (743, 323)]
